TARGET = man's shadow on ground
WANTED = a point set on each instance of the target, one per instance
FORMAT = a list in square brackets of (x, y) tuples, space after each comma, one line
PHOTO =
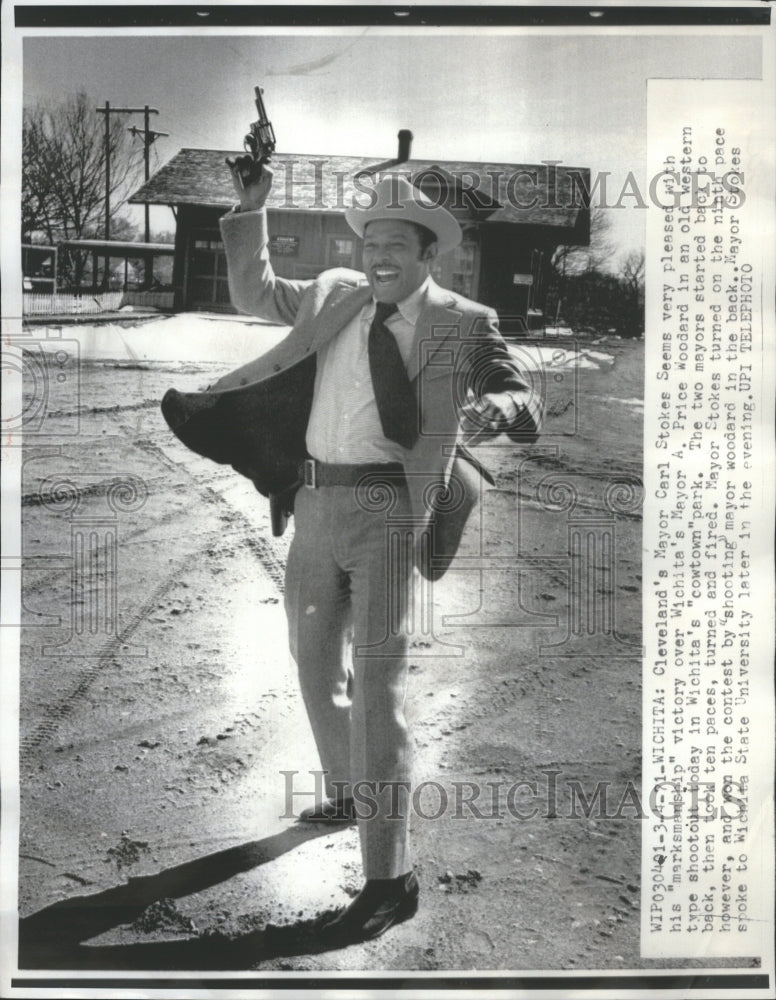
[(53, 938)]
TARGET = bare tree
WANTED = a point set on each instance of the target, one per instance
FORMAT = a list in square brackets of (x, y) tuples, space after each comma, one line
[(570, 259), (63, 172), (632, 271), (163, 236)]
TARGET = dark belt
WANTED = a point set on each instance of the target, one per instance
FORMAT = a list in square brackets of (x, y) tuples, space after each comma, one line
[(315, 474)]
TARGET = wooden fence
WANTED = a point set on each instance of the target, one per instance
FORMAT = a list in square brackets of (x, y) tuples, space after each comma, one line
[(91, 303), (154, 300), (40, 304)]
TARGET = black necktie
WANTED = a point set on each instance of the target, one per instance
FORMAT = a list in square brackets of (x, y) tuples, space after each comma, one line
[(396, 402)]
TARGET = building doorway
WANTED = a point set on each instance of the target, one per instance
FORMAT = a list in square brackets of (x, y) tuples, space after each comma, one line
[(207, 285)]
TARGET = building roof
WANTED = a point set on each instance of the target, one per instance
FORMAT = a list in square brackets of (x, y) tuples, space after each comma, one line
[(519, 194), (121, 248)]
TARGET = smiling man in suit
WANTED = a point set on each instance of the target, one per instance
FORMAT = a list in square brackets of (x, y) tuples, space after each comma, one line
[(403, 368)]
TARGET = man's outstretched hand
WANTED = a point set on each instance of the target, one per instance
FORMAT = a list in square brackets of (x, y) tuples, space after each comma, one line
[(253, 193), (494, 411)]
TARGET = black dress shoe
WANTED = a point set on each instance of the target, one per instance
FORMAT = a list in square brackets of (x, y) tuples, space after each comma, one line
[(330, 811), (381, 904)]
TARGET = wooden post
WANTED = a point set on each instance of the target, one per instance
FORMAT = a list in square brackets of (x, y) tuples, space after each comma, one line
[(107, 170), (148, 137), (147, 160)]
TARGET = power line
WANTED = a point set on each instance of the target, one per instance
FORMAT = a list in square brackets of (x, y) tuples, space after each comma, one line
[(149, 136)]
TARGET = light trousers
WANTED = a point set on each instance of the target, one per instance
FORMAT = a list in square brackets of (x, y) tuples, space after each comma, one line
[(348, 589)]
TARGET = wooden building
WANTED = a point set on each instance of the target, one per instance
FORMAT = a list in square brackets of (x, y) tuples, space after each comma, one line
[(116, 264), (39, 268), (513, 217)]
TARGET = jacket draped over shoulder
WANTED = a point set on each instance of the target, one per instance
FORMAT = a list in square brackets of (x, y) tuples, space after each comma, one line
[(255, 418)]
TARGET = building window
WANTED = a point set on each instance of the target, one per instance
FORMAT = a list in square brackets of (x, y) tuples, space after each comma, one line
[(456, 270), (200, 244), (463, 269), (341, 251)]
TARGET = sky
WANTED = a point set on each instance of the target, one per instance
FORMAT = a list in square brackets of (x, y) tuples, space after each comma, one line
[(470, 95)]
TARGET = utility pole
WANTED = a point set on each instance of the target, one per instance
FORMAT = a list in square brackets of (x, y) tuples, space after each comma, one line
[(148, 137), (107, 169)]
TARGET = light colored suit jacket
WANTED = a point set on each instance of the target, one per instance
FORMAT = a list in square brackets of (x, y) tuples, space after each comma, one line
[(457, 346)]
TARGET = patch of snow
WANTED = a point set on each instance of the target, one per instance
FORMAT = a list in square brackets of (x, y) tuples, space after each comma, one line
[(542, 356), (183, 337)]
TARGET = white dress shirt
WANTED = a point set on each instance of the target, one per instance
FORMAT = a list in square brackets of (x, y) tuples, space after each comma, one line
[(344, 425)]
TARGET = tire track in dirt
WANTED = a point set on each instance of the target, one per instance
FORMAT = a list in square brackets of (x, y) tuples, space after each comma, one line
[(89, 411), (158, 486), (53, 714), (589, 496), (48, 498), (263, 549), (45, 580), (271, 562)]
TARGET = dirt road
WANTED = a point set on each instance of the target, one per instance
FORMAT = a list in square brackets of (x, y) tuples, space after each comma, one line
[(154, 741)]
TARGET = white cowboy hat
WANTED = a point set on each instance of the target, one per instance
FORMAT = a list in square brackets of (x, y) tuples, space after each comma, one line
[(395, 198)]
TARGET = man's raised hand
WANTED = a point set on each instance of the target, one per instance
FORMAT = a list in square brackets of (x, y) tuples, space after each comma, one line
[(252, 190)]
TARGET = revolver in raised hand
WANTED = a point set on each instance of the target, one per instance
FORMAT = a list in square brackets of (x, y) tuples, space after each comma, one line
[(259, 144)]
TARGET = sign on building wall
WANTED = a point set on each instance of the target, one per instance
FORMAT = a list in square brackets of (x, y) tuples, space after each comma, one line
[(284, 246)]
